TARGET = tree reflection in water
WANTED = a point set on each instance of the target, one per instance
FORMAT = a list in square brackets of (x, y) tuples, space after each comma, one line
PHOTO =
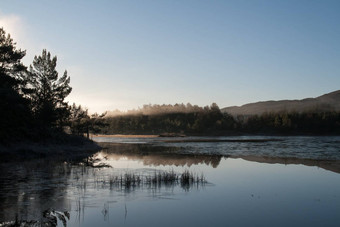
[(29, 188)]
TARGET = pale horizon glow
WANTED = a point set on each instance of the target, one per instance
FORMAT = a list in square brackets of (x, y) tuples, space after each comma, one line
[(124, 54)]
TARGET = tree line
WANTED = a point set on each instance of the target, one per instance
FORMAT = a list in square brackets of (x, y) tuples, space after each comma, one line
[(155, 109), (210, 120), (290, 123)]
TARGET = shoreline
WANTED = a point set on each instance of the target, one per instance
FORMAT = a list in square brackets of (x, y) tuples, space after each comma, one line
[(59, 151), (203, 135), (124, 136)]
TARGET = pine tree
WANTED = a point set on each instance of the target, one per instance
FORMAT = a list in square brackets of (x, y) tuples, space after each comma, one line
[(78, 120), (50, 91), (15, 115)]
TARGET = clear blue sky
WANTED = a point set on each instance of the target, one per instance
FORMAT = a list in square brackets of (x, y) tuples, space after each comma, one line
[(123, 54)]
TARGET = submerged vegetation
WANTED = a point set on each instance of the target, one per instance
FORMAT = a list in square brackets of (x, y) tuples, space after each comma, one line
[(50, 181), (131, 181), (128, 181)]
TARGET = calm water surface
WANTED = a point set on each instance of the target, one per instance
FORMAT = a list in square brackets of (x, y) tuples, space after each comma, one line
[(294, 181)]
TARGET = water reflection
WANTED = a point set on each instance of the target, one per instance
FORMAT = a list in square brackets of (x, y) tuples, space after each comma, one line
[(300, 147), (28, 188), (156, 155), (150, 154), (152, 172), (331, 165)]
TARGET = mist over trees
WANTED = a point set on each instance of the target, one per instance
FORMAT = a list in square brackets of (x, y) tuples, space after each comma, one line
[(178, 118), (211, 121), (155, 109)]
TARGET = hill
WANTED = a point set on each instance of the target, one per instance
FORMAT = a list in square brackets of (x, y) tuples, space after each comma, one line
[(327, 102)]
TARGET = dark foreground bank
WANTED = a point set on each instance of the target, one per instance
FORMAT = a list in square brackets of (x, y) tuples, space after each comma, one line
[(68, 148)]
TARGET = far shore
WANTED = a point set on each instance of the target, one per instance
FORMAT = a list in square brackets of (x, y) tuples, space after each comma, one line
[(124, 136), (228, 134)]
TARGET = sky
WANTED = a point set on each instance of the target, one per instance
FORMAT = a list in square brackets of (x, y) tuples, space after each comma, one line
[(123, 54)]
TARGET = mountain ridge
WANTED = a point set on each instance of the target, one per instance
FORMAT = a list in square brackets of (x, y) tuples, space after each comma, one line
[(326, 102)]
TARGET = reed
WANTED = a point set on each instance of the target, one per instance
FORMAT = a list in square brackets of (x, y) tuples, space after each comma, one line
[(158, 179)]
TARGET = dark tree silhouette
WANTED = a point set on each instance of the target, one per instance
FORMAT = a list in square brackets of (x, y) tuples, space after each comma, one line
[(15, 114), (50, 91), (81, 123), (32, 103), (78, 120), (10, 63), (290, 123)]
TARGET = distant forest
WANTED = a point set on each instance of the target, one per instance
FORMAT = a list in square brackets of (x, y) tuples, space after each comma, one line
[(178, 118), (209, 120)]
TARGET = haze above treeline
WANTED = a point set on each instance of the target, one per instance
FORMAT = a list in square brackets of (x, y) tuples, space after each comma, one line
[(311, 116), (326, 102)]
